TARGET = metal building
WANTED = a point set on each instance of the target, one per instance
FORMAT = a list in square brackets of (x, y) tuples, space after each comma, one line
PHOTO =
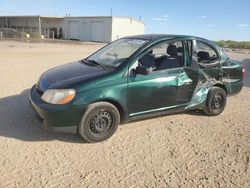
[(103, 29), (100, 29), (48, 26)]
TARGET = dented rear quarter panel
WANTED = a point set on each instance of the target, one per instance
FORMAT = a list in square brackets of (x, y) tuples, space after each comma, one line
[(225, 73), (233, 80)]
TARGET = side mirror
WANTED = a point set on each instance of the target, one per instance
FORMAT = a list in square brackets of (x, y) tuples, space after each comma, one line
[(142, 70)]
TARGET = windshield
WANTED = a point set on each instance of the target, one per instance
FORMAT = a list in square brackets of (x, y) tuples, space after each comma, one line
[(116, 52)]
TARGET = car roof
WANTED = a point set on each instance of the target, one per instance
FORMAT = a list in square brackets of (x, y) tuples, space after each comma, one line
[(155, 37), (162, 36)]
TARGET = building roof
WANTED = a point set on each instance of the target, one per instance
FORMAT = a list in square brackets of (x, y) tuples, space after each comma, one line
[(32, 16), (121, 17), (61, 17)]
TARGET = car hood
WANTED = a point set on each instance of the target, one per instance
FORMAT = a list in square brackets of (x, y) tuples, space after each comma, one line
[(66, 75)]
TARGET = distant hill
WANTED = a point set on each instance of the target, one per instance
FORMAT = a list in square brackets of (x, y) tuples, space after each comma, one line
[(233, 44)]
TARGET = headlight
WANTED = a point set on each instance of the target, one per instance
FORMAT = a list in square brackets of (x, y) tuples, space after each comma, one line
[(58, 96)]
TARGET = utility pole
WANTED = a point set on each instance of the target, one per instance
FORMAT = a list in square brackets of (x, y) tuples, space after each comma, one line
[(111, 12), (7, 22), (7, 25)]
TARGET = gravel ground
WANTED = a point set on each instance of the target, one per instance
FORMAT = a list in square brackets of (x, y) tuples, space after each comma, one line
[(181, 150)]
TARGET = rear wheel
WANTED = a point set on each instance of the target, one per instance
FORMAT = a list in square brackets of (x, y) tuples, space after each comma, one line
[(216, 101), (99, 122)]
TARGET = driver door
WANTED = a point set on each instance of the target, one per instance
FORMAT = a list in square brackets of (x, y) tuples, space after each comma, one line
[(161, 89)]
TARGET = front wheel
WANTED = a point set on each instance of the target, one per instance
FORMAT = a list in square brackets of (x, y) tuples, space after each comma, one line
[(216, 101), (99, 122)]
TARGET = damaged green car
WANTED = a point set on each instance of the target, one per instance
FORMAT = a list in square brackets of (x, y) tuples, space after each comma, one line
[(135, 77)]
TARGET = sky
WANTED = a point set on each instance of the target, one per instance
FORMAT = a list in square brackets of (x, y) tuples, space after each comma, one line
[(211, 19)]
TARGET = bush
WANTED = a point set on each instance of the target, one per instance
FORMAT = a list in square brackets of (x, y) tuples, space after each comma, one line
[(35, 35), (24, 35), (233, 44)]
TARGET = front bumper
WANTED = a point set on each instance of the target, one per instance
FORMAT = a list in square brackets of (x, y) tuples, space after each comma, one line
[(56, 118)]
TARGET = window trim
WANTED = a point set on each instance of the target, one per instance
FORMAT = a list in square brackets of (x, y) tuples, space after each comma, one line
[(189, 56), (162, 71)]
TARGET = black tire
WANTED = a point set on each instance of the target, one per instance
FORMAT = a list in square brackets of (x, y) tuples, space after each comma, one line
[(99, 122), (216, 101)]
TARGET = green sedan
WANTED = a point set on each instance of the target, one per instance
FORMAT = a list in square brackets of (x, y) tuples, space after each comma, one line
[(135, 77)]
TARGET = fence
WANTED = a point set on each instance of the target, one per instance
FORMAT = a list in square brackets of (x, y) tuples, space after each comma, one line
[(10, 33), (30, 32)]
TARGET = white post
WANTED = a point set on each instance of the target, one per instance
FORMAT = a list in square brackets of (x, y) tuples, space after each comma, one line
[(7, 25), (39, 25)]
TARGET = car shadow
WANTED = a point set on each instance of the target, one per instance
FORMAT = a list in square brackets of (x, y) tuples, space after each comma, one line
[(18, 121), (195, 113)]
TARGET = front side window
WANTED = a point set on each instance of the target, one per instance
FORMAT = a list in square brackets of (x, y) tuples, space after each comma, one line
[(205, 53), (164, 56), (116, 52)]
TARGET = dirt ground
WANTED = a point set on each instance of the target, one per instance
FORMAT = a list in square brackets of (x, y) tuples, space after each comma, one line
[(181, 150)]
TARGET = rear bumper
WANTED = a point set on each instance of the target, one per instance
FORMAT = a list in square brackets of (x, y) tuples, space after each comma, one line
[(234, 87), (56, 118)]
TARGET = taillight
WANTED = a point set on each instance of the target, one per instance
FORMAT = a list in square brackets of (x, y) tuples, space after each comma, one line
[(243, 70)]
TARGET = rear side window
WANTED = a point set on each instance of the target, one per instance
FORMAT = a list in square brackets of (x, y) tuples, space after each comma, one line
[(205, 53)]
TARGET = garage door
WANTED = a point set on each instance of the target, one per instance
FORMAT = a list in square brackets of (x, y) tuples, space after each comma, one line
[(97, 31), (74, 30)]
